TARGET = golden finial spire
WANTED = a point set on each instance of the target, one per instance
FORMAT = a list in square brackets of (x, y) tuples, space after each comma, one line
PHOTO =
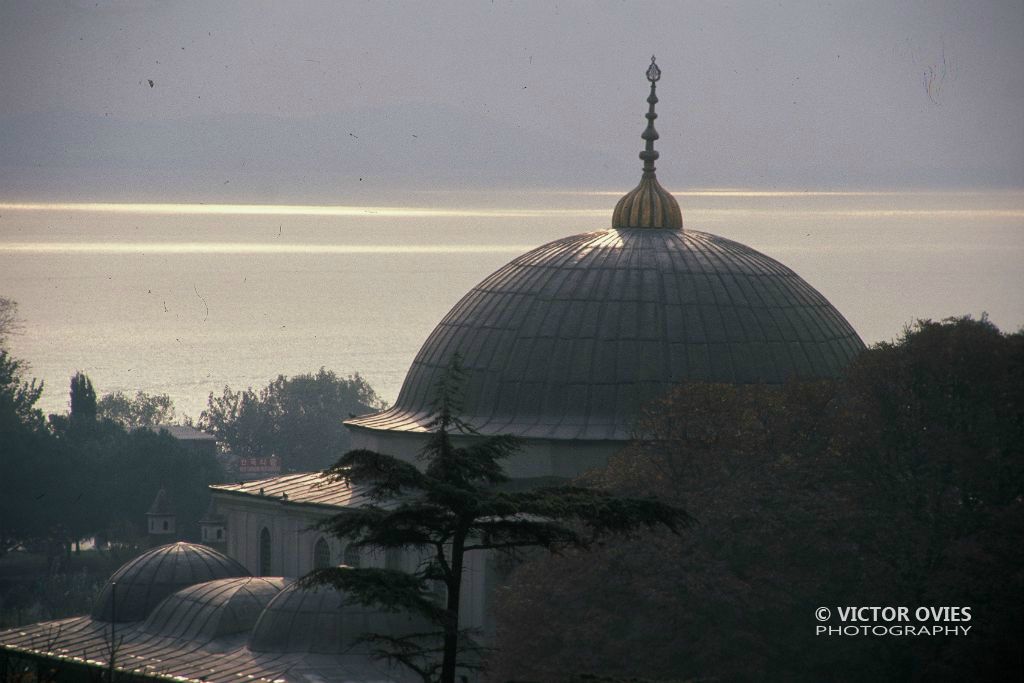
[(649, 205)]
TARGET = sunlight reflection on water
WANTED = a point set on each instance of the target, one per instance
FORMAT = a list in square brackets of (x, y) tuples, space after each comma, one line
[(183, 299)]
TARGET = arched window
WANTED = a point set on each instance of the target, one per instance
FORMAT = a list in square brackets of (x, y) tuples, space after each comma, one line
[(220, 534), (265, 552), (352, 557), (321, 555)]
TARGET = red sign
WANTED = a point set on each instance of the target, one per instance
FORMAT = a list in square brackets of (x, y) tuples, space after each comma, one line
[(267, 465)]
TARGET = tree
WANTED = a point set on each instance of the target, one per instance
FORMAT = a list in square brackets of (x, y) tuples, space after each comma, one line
[(8, 318), (26, 448), (142, 410), (77, 476), (17, 397), (930, 430), (104, 477), (83, 398), (298, 419), (898, 484), (453, 506), (726, 601)]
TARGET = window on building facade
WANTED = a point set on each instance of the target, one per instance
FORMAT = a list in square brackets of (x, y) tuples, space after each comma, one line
[(165, 525), (393, 559), (265, 552), (352, 557), (321, 555), (220, 534)]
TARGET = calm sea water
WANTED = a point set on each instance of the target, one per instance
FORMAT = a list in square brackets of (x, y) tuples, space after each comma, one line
[(184, 299)]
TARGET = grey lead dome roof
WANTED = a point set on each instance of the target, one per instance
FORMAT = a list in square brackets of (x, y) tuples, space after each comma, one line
[(569, 340), (145, 581), (324, 620), (213, 609)]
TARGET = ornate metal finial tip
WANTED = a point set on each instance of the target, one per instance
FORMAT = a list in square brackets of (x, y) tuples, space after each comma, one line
[(648, 205), (653, 72)]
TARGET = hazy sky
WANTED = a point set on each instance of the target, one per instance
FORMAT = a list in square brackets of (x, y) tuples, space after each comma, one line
[(810, 94)]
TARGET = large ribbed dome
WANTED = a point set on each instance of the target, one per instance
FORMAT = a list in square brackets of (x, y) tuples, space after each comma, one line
[(568, 340)]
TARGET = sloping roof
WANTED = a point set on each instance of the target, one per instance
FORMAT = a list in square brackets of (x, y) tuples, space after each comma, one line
[(161, 504), (569, 340), (212, 516), (231, 629), (185, 433), (83, 641), (308, 488)]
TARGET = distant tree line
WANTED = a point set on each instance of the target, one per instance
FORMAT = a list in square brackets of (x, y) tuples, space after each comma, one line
[(141, 410), (95, 470), (901, 483), (299, 419), (78, 475)]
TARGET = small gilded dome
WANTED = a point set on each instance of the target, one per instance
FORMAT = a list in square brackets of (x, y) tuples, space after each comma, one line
[(648, 205)]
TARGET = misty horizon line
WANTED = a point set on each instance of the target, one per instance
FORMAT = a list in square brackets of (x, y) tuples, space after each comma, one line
[(232, 206)]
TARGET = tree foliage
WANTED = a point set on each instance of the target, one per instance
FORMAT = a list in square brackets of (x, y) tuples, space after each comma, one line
[(26, 454), (451, 505), (298, 419), (8, 319), (83, 398), (77, 477), (141, 410), (17, 396), (899, 484), (80, 474)]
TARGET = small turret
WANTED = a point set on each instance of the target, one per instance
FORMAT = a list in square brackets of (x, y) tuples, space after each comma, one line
[(213, 527), (161, 519)]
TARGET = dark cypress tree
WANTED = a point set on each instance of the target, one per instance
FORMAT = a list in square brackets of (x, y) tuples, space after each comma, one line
[(83, 398)]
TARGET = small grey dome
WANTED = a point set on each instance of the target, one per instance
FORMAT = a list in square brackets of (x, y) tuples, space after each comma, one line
[(323, 620), (143, 582), (569, 340), (213, 609)]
